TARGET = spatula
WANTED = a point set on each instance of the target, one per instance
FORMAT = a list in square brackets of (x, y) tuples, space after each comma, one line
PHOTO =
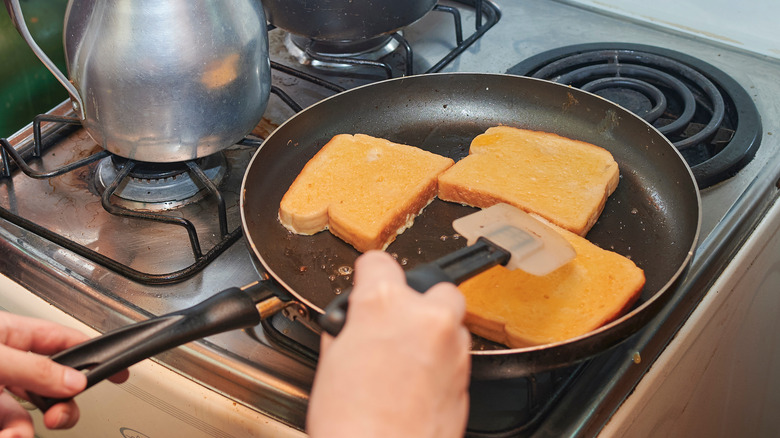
[(497, 235)]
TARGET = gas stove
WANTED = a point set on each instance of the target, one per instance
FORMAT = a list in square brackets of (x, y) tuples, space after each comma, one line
[(108, 269)]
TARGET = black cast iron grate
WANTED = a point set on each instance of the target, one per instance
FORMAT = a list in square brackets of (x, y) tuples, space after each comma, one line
[(486, 16), (8, 154)]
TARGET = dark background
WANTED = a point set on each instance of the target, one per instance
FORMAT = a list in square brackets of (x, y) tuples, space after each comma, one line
[(27, 88)]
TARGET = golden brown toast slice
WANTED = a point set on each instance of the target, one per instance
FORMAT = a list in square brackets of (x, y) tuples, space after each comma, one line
[(366, 190), (517, 309), (563, 180)]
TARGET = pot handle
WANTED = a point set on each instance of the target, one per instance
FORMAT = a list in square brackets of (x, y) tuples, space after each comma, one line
[(15, 11), (112, 352), (453, 268)]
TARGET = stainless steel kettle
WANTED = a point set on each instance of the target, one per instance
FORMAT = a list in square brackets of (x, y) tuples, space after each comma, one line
[(163, 81)]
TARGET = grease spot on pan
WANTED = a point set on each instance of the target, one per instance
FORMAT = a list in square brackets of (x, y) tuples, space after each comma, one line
[(345, 270), (570, 101), (610, 121)]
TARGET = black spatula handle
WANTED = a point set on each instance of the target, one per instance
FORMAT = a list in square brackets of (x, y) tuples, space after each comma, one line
[(452, 268)]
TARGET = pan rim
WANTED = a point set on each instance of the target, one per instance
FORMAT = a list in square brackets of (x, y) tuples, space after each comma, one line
[(661, 293)]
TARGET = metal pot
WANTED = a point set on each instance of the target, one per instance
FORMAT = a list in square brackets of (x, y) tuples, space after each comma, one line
[(163, 81), (344, 20)]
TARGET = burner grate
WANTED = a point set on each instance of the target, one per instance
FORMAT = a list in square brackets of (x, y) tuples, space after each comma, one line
[(8, 154), (7, 151), (160, 186), (346, 55)]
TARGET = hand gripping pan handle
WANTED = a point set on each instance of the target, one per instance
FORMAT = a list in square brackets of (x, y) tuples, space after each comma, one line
[(112, 352), (500, 234)]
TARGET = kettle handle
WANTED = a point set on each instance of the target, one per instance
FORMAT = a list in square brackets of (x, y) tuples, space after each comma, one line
[(15, 11)]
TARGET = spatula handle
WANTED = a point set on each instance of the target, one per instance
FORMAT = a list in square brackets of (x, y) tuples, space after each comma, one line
[(452, 268)]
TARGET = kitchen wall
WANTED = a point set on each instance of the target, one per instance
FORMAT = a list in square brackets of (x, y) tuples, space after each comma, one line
[(749, 24)]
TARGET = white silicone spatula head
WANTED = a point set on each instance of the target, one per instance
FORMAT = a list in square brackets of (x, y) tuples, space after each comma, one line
[(535, 247)]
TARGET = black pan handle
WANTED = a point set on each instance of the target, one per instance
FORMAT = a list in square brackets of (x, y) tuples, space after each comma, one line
[(454, 267), (112, 352)]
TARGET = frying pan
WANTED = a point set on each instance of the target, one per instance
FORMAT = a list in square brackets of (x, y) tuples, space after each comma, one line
[(653, 217)]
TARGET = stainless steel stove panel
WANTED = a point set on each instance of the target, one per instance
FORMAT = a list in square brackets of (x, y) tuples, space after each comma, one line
[(247, 366)]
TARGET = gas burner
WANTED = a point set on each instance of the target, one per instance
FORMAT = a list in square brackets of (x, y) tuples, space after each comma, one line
[(388, 54), (158, 186), (705, 113), (339, 55)]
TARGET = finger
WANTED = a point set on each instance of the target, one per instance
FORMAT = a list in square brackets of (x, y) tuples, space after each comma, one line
[(40, 336), (325, 341), (377, 278), (15, 421), (39, 374), (447, 296), (62, 415), (377, 267)]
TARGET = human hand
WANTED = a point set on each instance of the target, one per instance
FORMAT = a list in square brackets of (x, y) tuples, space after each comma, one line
[(401, 365), (24, 342)]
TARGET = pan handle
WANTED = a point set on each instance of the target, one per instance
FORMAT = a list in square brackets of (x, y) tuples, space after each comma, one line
[(454, 267), (106, 355)]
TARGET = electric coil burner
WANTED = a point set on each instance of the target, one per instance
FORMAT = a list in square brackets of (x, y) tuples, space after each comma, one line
[(707, 115)]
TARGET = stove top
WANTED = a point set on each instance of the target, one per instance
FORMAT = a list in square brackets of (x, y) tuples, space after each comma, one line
[(259, 367)]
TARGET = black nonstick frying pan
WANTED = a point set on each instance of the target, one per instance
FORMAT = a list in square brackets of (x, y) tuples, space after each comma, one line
[(653, 217)]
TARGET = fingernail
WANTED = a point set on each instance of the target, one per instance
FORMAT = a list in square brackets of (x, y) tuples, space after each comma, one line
[(63, 420), (74, 380)]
